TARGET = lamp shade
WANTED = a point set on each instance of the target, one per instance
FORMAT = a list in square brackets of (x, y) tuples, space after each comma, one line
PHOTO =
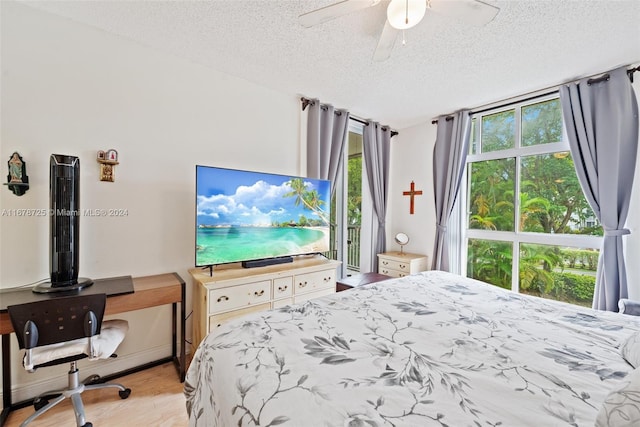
[(403, 14)]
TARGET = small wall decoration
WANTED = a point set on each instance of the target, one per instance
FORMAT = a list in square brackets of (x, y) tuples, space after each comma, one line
[(17, 180), (108, 161), (412, 192)]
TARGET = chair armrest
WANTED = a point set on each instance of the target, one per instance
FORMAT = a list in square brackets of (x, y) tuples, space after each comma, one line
[(30, 342), (627, 306), (90, 329)]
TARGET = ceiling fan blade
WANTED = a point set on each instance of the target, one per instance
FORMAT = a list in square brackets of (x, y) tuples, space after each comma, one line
[(473, 12), (385, 43), (334, 11)]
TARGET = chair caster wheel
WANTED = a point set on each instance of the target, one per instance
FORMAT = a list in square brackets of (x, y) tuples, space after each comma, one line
[(124, 393), (87, 425), (39, 403)]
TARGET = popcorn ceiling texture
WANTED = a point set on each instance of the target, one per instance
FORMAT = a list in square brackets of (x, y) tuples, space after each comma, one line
[(446, 65)]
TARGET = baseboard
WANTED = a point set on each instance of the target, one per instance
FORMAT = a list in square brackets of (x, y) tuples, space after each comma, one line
[(28, 390)]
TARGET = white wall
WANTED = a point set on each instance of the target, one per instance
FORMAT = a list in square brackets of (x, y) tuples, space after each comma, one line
[(411, 159), (67, 88)]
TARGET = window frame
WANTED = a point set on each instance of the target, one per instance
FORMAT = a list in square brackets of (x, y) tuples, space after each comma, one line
[(341, 211), (516, 237)]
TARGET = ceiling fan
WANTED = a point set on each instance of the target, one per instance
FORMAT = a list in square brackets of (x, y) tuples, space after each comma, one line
[(402, 15)]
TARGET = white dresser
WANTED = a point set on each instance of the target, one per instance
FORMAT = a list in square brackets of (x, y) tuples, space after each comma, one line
[(232, 291), (395, 264)]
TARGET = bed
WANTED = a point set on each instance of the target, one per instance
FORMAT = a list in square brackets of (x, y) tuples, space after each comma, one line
[(432, 349)]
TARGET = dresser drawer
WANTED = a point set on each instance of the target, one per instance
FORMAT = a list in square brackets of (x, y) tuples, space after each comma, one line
[(311, 282), (392, 273), (397, 264), (218, 319), (232, 291), (225, 299), (389, 264), (282, 287)]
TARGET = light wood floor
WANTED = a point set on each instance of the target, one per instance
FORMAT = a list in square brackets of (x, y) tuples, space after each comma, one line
[(156, 400)]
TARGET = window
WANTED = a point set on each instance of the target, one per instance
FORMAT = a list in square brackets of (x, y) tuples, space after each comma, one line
[(354, 201), (528, 225), (348, 236)]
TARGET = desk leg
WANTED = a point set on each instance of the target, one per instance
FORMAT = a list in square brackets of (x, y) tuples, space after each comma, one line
[(179, 361), (6, 378), (183, 341), (174, 331)]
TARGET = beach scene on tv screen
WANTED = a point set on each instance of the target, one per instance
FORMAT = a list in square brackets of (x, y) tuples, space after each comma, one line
[(244, 215)]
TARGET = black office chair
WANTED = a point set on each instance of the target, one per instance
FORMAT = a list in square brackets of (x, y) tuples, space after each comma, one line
[(65, 330)]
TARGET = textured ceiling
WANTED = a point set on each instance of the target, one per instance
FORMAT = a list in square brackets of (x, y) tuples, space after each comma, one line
[(445, 65)]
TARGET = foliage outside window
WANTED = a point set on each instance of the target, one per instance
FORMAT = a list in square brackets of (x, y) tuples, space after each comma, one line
[(354, 189), (351, 196), (529, 227)]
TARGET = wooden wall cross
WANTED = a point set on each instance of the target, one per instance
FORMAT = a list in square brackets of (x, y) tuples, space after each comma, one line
[(413, 192)]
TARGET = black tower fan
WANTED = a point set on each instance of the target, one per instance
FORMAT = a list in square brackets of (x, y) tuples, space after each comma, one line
[(64, 199)]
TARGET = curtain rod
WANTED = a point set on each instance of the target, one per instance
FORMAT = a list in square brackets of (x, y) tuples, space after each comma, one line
[(539, 94), (364, 122), (448, 118), (606, 76), (306, 102), (631, 71)]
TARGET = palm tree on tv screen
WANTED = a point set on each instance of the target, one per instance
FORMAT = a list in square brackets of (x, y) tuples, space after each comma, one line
[(310, 199)]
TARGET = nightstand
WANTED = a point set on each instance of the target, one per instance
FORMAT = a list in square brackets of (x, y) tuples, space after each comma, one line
[(396, 264)]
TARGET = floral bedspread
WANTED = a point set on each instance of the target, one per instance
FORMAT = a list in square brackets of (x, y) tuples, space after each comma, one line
[(432, 349)]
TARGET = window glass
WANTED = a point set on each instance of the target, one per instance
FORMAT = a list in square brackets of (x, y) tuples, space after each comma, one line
[(354, 202), (490, 261), (559, 273), (348, 196), (491, 195), (498, 131), (541, 123), (551, 199)]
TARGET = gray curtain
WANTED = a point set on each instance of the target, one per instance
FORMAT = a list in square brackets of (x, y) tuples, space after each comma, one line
[(601, 118), (326, 139), (449, 159), (375, 151)]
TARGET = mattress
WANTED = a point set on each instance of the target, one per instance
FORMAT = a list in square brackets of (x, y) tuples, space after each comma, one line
[(431, 349)]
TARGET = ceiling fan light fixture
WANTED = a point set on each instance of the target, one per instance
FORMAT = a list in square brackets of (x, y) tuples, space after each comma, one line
[(403, 14)]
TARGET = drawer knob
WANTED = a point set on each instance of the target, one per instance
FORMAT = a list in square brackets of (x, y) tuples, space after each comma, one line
[(403, 266), (259, 294), (302, 284), (385, 263), (283, 288), (223, 298)]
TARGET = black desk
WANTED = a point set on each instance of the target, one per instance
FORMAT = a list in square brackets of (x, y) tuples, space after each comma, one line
[(124, 294), (111, 286)]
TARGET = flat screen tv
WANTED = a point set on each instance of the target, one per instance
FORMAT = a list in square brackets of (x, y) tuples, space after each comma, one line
[(245, 216)]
